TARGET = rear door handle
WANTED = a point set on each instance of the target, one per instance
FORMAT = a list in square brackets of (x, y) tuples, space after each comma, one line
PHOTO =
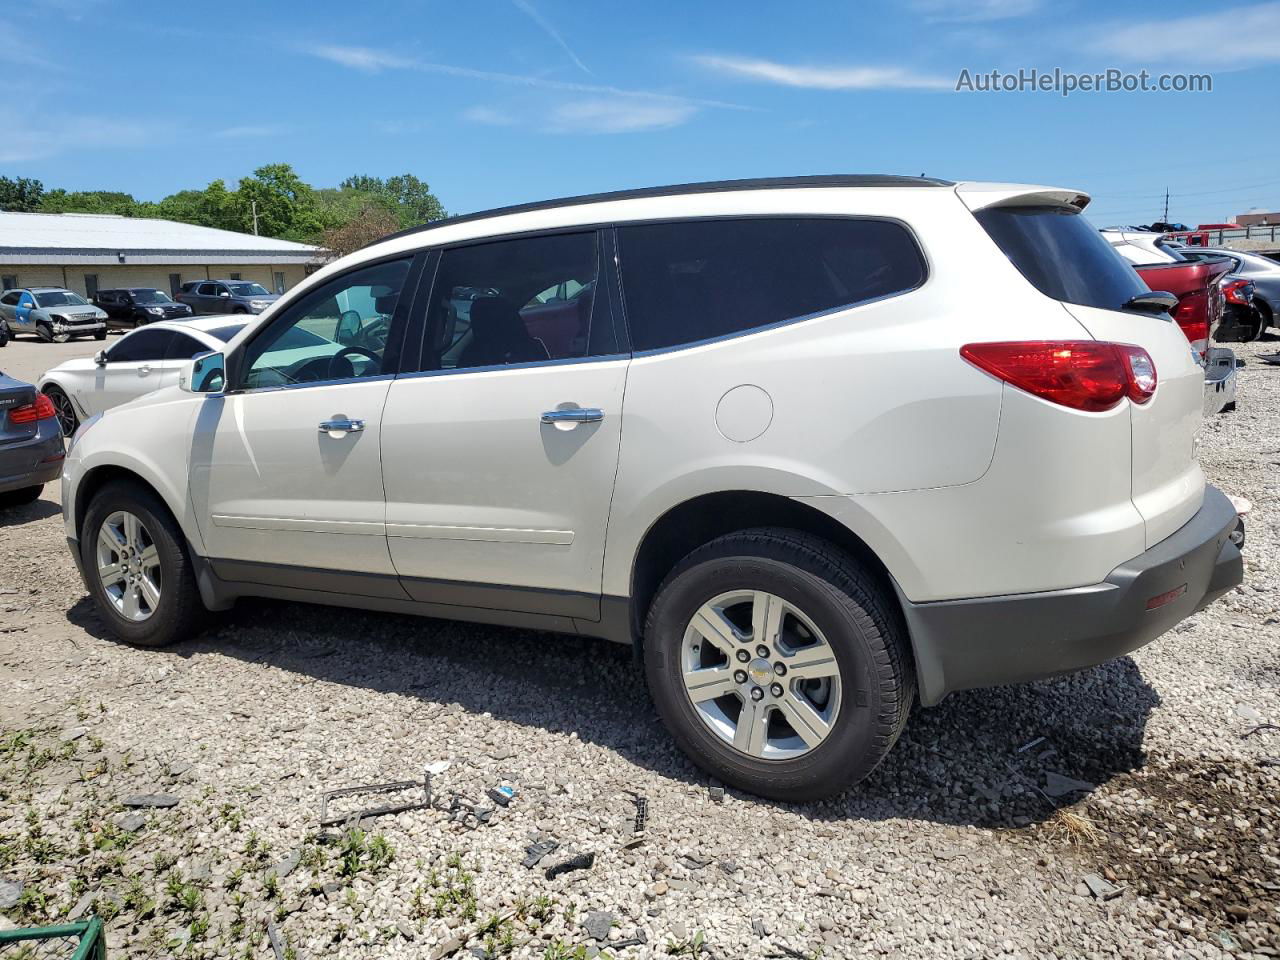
[(574, 415), (340, 426)]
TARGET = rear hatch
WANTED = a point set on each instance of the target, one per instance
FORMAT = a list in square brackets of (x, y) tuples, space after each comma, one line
[(14, 394), (1043, 233)]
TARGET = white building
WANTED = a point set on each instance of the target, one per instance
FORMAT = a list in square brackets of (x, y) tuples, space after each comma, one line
[(88, 251)]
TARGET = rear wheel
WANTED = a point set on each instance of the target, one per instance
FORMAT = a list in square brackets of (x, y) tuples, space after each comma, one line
[(68, 419), (17, 498), (137, 567), (778, 664)]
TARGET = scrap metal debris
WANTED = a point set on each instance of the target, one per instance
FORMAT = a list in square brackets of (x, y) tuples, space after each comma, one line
[(1027, 746), (642, 813), (1259, 728), (398, 786), (583, 861)]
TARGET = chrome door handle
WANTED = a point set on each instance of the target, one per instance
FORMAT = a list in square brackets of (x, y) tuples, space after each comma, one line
[(144, 369), (575, 415), (341, 425)]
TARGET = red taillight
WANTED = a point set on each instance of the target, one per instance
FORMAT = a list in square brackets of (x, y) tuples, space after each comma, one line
[(1082, 374), (1238, 292), (42, 409)]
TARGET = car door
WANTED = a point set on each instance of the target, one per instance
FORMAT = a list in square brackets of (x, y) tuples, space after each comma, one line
[(181, 348), (499, 453), (22, 319), (9, 306), (222, 299), (286, 470), (206, 298), (134, 366)]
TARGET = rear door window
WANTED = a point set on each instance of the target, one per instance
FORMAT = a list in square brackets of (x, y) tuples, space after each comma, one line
[(183, 347), (1062, 255), (697, 280)]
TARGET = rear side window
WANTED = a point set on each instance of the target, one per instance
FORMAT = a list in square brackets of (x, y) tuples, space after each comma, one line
[(1062, 255), (143, 345), (701, 279)]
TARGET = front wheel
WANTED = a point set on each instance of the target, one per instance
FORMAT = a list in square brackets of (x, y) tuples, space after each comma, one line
[(137, 568), (778, 664)]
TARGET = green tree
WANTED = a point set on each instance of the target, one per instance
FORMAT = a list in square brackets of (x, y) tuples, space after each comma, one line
[(88, 201), (21, 194), (214, 206), (409, 198), (283, 203)]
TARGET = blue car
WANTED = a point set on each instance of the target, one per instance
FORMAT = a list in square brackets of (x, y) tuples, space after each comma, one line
[(31, 450)]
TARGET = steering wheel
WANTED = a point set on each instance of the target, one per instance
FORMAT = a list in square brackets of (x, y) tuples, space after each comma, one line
[(357, 351)]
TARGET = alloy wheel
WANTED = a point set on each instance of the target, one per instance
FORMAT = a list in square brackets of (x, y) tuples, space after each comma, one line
[(129, 566), (67, 418), (760, 675)]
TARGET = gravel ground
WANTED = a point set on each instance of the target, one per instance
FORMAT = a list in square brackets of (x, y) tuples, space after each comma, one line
[(953, 848)]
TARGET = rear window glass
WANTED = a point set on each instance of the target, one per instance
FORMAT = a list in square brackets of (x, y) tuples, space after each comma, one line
[(702, 279), (1062, 255)]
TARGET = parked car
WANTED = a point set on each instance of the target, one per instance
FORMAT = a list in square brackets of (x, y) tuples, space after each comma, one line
[(31, 450), (1198, 312), (1265, 274), (1241, 322), (881, 437), (131, 307), (226, 296), (139, 362), (51, 313), (1166, 265)]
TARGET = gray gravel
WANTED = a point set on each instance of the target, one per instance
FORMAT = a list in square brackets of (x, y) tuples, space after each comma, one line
[(952, 849)]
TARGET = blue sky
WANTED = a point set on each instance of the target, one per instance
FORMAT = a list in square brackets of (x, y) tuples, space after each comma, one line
[(502, 101)]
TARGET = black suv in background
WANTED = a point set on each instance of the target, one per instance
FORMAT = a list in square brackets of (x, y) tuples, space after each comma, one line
[(131, 307), (226, 296)]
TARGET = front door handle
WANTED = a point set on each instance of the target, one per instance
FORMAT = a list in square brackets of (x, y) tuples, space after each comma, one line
[(574, 415), (144, 369), (341, 426)]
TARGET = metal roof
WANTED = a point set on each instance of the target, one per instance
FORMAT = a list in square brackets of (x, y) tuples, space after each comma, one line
[(107, 238)]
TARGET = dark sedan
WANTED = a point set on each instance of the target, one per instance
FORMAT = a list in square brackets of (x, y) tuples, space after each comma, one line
[(131, 307), (31, 451)]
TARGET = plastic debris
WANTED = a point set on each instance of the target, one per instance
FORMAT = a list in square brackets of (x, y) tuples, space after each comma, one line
[(536, 851), (598, 923), (162, 800), (717, 793), (582, 861), (1100, 888), (277, 943), (1027, 746), (398, 786), (502, 795), (1057, 785), (642, 813)]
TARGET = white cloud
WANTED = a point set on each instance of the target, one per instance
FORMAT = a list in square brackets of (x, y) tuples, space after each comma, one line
[(529, 10), (361, 58), (618, 116), (488, 116), (974, 11), (1226, 37), (372, 61), (826, 77), (50, 135)]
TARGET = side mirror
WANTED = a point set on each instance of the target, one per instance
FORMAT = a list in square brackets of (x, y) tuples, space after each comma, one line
[(348, 327), (224, 293), (206, 373), (100, 358)]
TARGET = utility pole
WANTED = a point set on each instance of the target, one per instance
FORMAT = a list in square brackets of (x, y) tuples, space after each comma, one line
[(1166, 210), (254, 203)]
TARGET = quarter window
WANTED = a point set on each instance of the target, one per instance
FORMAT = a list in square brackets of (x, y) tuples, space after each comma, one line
[(702, 279), (143, 345), (519, 301), (338, 331)]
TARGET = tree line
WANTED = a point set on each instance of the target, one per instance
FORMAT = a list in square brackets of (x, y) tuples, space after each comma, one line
[(275, 200)]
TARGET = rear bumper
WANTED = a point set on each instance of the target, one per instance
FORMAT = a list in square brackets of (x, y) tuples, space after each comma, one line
[(35, 461), (1219, 380), (963, 644)]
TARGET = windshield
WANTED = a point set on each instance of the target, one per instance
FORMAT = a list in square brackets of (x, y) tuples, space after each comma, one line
[(1062, 255), (249, 290), (59, 298), (150, 296)]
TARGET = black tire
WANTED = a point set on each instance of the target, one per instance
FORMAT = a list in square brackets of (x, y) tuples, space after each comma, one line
[(18, 498), (68, 419), (44, 331), (855, 613), (100, 335), (240, 310), (180, 613)]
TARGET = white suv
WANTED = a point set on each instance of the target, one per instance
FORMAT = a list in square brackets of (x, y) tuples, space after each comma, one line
[(816, 446)]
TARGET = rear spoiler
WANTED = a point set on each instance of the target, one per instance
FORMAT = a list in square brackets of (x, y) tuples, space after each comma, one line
[(980, 196)]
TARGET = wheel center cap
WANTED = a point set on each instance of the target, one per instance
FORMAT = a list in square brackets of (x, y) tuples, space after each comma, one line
[(760, 671)]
